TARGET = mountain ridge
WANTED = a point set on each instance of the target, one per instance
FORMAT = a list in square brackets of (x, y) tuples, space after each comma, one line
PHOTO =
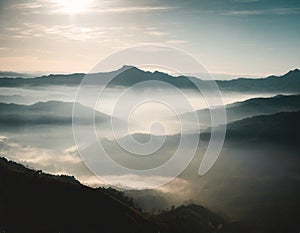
[(48, 112), (128, 75), (252, 107), (279, 129), (52, 203)]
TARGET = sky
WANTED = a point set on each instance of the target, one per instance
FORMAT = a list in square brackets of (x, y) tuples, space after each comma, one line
[(239, 37)]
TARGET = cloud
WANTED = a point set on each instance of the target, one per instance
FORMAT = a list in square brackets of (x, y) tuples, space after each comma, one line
[(179, 186), (108, 35), (177, 42), (156, 33), (66, 162), (92, 181), (89, 6), (71, 32), (31, 5), (135, 9), (274, 11), (131, 181)]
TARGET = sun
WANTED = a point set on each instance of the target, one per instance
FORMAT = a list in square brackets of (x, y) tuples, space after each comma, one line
[(73, 6)]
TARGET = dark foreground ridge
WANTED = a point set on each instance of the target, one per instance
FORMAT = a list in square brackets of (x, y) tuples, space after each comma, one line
[(32, 201)]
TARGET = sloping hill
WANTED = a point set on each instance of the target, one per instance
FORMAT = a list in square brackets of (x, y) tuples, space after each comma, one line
[(280, 129), (283, 127), (32, 201), (51, 112), (253, 107), (189, 219), (263, 106)]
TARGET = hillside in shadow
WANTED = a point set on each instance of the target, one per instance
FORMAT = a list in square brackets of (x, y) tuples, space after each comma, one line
[(32, 201), (249, 108), (48, 113)]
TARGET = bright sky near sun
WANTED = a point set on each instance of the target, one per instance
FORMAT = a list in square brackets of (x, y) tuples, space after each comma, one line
[(257, 37), (73, 6)]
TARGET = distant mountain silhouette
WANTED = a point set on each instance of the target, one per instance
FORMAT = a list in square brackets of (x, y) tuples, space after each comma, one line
[(127, 76), (10, 74), (32, 201), (51, 112), (289, 82), (280, 129), (62, 79), (134, 75), (263, 106), (252, 107), (21, 99)]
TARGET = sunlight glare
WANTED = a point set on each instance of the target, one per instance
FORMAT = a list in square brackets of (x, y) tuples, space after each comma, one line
[(73, 6)]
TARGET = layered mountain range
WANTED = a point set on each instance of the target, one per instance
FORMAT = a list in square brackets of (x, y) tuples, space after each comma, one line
[(128, 76)]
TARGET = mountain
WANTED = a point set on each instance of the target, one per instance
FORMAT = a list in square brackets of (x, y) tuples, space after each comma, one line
[(21, 99), (279, 129), (263, 106), (288, 83), (125, 76), (134, 75), (62, 79), (189, 219), (10, 74), (32, 201), (128, 75), (51, 112), (252, 107)]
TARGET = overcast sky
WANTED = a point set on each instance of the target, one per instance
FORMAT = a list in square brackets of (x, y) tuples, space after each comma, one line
[(253, 37)]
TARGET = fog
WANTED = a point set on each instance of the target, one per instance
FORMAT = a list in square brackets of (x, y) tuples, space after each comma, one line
[(244, 172), (31, 95)]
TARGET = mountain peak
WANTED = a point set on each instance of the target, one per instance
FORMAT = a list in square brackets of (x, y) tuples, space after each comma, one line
[(293, 72), (126, 67)]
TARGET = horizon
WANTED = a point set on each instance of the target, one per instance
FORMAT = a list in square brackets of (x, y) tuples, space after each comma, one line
[(203, 76)]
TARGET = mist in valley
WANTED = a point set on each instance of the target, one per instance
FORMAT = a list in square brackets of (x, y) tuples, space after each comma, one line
[(257, 170)]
